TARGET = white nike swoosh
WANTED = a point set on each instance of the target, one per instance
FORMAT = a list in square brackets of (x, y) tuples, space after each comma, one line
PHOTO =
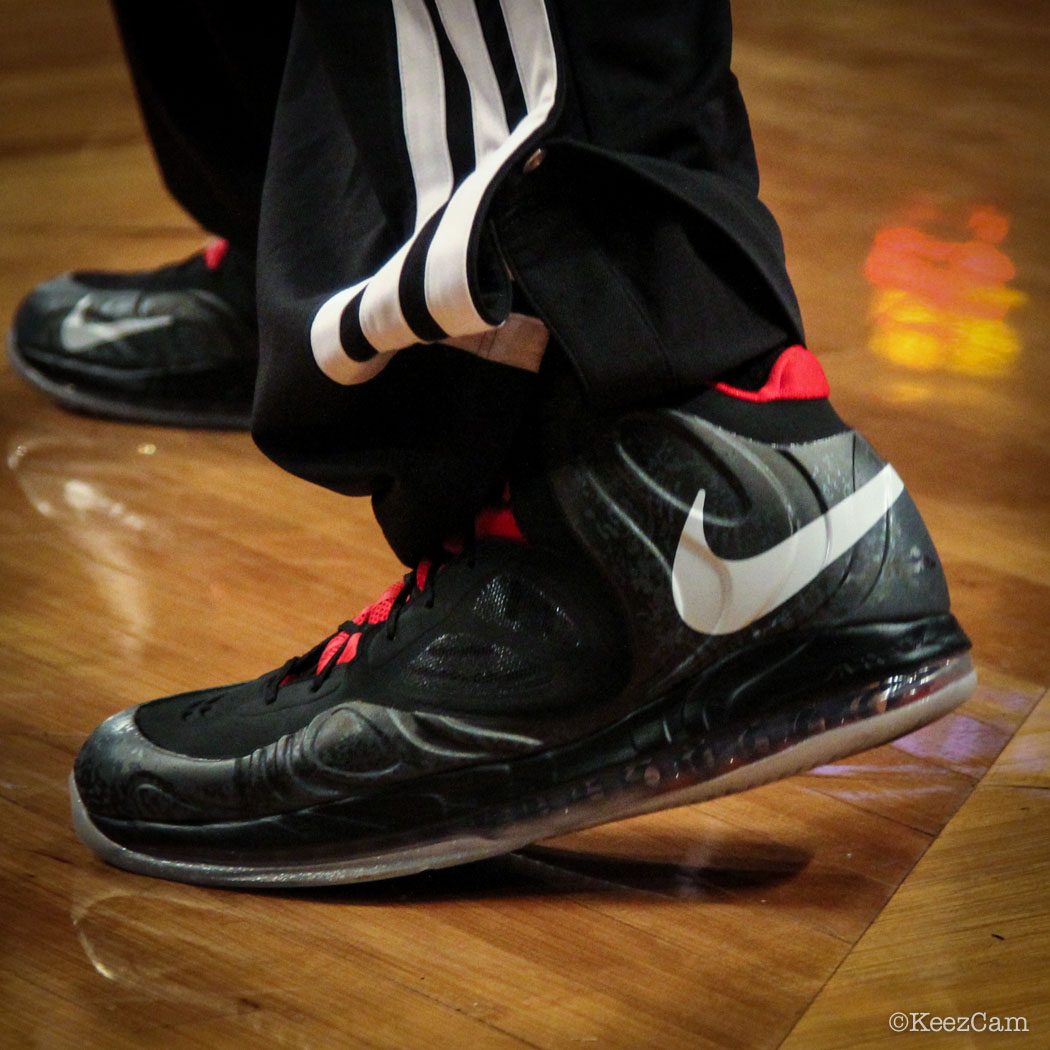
[(79, 334), (716, 595)]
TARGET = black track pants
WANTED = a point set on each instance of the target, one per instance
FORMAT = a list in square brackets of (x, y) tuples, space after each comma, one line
[(436, 167)]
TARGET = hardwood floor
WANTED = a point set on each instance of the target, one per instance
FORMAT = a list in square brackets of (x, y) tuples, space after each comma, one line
[(904, 150)]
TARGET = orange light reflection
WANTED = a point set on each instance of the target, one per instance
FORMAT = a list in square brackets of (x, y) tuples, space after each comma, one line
[(943, 304)]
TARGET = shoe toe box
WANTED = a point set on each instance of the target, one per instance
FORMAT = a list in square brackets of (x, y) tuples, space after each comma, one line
[(121, 774)]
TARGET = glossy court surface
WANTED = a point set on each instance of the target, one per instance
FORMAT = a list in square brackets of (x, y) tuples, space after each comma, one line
[(904, 150)]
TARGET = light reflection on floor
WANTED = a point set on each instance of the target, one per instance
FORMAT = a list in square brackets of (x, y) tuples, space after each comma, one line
[(941, 294)]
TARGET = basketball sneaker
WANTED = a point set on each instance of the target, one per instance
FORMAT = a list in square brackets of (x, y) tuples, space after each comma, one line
[(674, 604), (174, 346)]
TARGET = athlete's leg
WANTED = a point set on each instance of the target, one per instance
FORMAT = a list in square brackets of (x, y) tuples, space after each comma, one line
[(696, 578), (405, 181), (207, 77)]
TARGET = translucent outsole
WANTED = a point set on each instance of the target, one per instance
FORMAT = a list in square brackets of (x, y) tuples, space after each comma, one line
[(681, 773)]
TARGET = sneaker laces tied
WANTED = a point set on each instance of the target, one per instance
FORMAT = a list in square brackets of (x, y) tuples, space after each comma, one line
[(341, 647)]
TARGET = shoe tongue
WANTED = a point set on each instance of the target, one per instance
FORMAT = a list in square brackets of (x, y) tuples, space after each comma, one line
[(335, 644), (497, 522), (491, 522), (379, 610), (343, 644), (214, 252), (423, 570)]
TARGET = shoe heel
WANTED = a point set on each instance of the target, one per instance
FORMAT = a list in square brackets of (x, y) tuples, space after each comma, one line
[(802, 737)]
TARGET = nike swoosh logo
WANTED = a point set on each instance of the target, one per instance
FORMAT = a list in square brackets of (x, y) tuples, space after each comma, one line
[(79, 334), (716, 595)]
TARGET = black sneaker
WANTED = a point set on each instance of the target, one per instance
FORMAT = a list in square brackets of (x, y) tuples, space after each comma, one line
[(682, 603), (175, 346)]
